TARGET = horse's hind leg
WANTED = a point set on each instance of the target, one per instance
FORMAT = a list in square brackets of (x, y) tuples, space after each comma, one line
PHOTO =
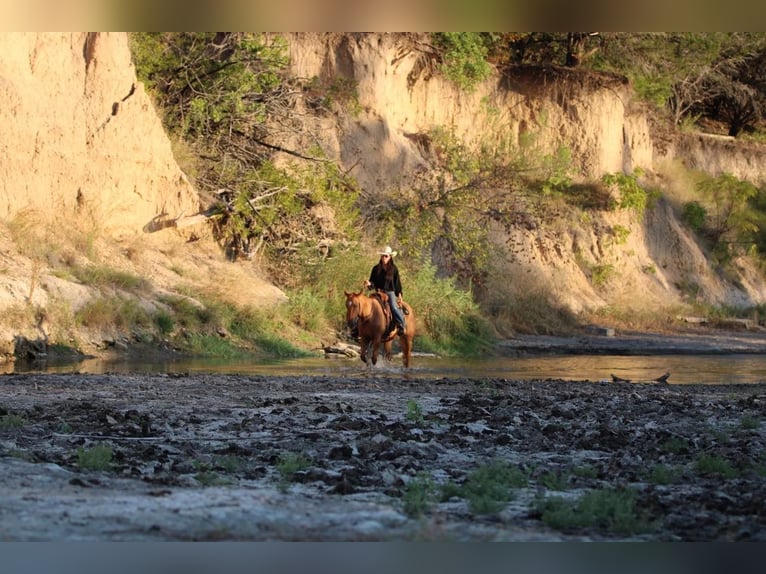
[(387, 350)]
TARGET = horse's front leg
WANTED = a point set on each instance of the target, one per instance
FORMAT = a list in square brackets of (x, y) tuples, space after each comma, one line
[(375, 346), (363, 350)]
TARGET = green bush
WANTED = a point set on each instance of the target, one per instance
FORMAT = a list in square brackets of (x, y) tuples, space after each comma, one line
[(609, 510), (464, 58), (98, 457)]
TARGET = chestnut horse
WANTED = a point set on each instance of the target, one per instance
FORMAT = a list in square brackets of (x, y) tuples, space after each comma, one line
[(366, 314)]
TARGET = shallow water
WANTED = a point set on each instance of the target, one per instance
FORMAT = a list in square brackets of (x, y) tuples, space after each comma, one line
[(684, 369)]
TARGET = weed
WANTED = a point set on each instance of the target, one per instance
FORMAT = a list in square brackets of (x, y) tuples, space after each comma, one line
[(206, 476), (229, 463), (552, 481), (11, 421), (585, 471), (418, 496), (674, 445), (65, 428), (112, 312), (211, 478), (164, 322), (749, 422), (106, 277), (288, 465), (601, 274), (414, 412), (663, 474), (609, 510), (709, 464), (98, 457), (620, 234), (488, 487)]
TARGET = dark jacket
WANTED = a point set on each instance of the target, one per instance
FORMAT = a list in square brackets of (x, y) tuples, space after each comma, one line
[(386, 279)]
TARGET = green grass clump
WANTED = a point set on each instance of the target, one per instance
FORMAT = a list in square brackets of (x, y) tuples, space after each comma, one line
[(11, 421), (488, 488), (610, 511), (414, 412), (663, 474), (98, 457), (709, 464), (107, 312), (290, 463), (100, 276), (419, 496)]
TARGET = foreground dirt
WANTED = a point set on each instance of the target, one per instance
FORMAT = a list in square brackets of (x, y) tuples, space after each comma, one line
[(205, 458)]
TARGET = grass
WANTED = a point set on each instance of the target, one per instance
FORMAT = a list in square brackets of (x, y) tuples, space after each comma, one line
[(488, 488), (664, 474), (98, 457), (102, 276), (552, 481), (419, 496), (290, 463), (11, 421), (414, 412), (609, 511), (708, 464)]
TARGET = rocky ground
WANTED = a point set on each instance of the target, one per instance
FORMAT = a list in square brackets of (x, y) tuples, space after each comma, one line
[(379, 457)]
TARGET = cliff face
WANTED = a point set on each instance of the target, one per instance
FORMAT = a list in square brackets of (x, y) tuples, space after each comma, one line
[(597, 119), (80, 134), (88, 181)]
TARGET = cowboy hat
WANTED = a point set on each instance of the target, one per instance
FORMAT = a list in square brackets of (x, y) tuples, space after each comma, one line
[(388, 251)]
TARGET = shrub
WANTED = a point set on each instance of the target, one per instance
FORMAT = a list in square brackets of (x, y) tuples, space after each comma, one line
[(98, 457)]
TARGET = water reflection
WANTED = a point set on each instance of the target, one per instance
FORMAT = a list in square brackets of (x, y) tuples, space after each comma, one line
[(684, 369)]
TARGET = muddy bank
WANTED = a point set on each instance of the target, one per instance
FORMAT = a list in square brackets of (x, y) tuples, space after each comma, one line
[(205, 457)]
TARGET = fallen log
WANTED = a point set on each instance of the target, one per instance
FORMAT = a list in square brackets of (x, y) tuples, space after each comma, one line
[(339, 348), (663, 379)]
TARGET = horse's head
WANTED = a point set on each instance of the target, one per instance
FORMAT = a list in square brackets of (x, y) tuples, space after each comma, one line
[(353, 308)]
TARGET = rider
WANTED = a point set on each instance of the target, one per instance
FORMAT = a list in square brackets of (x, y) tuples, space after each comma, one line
[(385, 277)]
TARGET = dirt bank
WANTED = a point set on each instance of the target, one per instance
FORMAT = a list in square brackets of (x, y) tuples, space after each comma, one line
[(378, 458)]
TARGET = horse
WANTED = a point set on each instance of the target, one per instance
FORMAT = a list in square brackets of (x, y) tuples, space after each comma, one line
[(367, 315)]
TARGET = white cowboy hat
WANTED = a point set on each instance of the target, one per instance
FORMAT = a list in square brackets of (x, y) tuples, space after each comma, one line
[(388, 251)]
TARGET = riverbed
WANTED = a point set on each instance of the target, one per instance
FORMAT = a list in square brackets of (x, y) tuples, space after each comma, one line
[(378, 457)]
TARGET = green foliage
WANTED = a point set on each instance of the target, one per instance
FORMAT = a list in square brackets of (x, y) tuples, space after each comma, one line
[(210, 80), (730, 221), (121, 312), (663, 474), (414, 412), (708, 464), (106, 277), (632, 195), (489, 487), (448, 319), (674, 445), (553, 481), (164, 322), (98, 457), (694, 215), (290, 463), (750, 422), (620, 234), (609, 510), (464, 58), (419, 496), (601, 274), (11, 421), (555, 169)]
